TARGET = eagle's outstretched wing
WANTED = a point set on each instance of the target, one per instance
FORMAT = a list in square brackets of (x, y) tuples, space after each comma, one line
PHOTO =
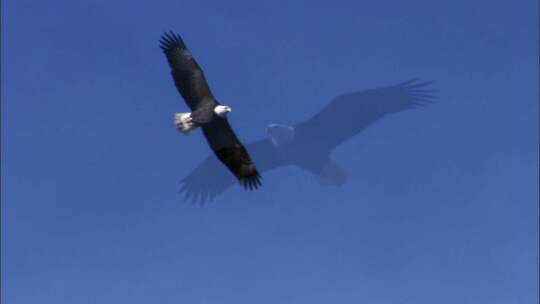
[(348, 114), (344, 117), (210, 178), (186, 72), (231, 152), (206, 181)]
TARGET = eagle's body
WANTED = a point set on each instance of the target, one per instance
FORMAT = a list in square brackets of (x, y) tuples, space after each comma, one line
[(206, 112), (308, 144)]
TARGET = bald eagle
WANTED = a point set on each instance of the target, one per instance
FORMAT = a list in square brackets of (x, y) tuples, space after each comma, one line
[(206, 112), (309, 143)]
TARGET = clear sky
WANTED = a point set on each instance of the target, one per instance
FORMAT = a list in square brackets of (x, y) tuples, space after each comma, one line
[(441, 206)]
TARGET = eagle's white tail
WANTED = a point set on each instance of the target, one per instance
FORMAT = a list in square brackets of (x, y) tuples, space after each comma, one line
[(184, 123), (332, 175)]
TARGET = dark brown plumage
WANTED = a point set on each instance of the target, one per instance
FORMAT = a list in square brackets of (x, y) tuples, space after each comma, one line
[(192, 85)]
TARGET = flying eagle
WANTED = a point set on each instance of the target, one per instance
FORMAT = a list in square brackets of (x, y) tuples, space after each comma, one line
[(206, 112), (308, 144)]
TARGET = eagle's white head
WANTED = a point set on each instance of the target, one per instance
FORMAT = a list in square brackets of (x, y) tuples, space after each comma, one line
[(222, 110), (280, 135)]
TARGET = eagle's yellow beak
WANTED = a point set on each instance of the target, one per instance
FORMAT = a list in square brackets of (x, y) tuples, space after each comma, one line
[(229, 109)]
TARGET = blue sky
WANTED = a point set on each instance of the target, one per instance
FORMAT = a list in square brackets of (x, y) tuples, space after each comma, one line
[(441, 206)]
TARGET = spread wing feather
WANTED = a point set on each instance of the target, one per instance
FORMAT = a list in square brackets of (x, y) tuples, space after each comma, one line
[(349, 114), (210, 178), (187, 74), (231, 152)]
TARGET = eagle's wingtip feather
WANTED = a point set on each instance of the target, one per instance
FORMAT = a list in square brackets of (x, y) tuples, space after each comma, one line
[(170, 40), (251, 182)]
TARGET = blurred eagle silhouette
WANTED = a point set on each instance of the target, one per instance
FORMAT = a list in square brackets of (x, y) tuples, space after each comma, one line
[(206, 112), (308, 144)]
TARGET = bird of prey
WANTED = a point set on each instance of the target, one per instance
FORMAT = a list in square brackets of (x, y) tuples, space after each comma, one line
[(308, 144), (206, 112)]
